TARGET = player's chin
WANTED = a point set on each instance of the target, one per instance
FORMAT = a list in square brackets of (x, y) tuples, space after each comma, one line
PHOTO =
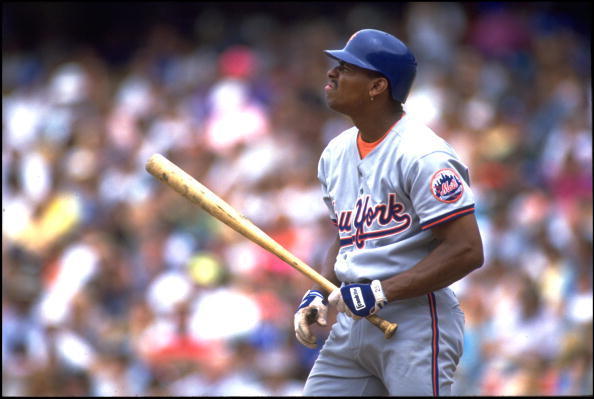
[(333, 103), (338, 102)]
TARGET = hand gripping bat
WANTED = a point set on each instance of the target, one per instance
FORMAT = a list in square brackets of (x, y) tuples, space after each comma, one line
[(172, 175)]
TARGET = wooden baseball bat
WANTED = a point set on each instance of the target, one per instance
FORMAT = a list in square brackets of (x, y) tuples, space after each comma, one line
[(175, 177)]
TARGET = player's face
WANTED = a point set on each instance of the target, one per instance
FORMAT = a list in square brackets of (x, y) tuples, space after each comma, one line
[(347, 88)]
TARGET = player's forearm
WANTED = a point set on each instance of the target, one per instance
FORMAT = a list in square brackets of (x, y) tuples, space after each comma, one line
[(327, 269), (446, 264)]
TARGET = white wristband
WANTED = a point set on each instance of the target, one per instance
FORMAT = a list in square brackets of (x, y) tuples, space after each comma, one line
[(378, 292)]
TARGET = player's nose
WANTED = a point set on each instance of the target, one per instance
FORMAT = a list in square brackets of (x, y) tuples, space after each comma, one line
[(333, 72)]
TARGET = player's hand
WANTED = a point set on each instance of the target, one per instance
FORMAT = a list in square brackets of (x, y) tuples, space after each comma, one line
[(359, 300), (313, 309)]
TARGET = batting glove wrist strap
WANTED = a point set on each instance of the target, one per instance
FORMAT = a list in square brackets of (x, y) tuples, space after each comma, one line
[(378, 292), (312, 297)]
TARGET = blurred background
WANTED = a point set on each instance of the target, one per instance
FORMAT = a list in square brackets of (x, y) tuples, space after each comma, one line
[(114, 285)]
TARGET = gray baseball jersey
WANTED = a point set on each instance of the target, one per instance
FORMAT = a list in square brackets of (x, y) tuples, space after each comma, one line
[(384, 206)]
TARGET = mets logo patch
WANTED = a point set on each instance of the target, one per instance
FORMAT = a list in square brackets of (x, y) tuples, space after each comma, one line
[(446, 185)]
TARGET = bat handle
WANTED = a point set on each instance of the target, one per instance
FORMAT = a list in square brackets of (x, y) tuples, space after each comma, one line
[(387, 327)]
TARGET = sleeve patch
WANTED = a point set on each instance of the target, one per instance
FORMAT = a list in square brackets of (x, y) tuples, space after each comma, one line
[(446, 185)]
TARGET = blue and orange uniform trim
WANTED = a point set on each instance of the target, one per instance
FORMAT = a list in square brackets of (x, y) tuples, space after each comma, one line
[(434, 344), (455, 214)]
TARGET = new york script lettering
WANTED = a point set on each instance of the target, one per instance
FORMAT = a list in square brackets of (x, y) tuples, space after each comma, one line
[(366, 215)]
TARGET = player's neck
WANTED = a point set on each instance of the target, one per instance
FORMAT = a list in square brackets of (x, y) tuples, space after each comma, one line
[(373, 127)]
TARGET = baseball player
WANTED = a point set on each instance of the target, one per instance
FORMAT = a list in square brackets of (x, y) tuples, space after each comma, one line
[(401, 201)]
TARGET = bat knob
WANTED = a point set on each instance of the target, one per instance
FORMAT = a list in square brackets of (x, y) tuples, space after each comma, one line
[(390, 329)]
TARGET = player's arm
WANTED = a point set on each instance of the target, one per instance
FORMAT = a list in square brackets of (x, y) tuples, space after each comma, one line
[(459, 252)]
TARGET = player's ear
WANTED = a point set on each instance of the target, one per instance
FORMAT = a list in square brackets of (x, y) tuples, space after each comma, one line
[(377, 86)]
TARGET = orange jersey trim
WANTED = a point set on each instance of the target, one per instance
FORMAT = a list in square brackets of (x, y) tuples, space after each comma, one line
[(365, 148)]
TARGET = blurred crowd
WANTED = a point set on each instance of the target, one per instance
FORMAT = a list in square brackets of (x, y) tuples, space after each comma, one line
[(115, 285)]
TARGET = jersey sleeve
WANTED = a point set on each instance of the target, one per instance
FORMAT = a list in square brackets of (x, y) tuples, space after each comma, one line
[(322, 177), (440, 189)]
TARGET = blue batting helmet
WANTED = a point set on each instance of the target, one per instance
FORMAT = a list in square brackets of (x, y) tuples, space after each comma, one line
[(381, 52)]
